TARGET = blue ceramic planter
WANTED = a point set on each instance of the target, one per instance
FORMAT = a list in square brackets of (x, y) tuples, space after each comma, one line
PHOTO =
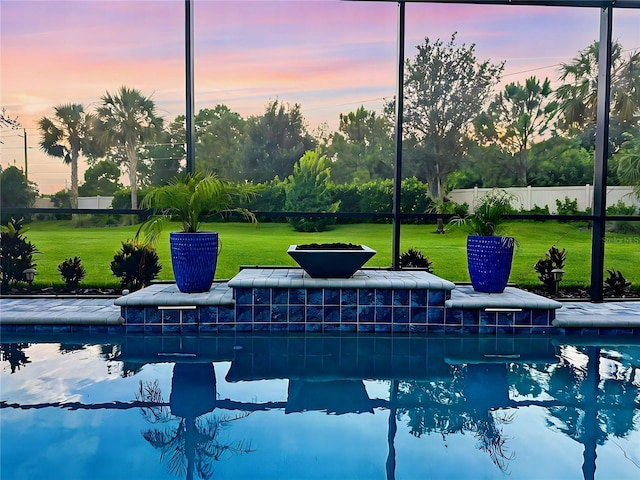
[(489, 261), (194, 257)]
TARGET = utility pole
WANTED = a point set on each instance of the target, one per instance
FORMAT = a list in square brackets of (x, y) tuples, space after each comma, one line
[(26, 167)]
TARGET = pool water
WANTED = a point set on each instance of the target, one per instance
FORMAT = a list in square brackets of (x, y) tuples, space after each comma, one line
[(344, 407)]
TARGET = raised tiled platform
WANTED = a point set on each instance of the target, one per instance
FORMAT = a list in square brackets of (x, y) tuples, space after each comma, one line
[(513, 311), (372, 301)]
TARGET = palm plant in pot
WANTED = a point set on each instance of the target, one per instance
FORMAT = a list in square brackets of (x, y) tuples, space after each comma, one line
[(191, 199), (489, 250)]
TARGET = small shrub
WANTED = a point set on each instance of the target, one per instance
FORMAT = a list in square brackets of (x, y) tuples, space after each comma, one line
[(616, 285), (619, 226), (567, 207), (136, 263), (16, 253), (536, 210), (93, 221), (72, 271), (553, 259), (415, 259)]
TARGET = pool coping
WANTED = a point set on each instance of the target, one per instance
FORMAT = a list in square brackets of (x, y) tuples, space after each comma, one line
[(105, 311)]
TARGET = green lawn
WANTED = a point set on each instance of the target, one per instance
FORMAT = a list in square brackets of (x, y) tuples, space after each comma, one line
[(266, 244)]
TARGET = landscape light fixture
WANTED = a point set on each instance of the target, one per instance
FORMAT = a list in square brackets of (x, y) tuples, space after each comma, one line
[(29, 275), (557, 273)]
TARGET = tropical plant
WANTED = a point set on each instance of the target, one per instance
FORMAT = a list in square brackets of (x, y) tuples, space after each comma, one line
[(66, 135), (552, 260), (126, 120), (192, 198), (414, 258), (616, 285), (488, 215), (72, 271), (629, 160), (578, 95), (136, 264), (16, 253), (308, 190)]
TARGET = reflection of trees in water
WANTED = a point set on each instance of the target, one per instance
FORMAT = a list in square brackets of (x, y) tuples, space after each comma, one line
[(192, 444), (594, 390), (14, 354), (443, 406)]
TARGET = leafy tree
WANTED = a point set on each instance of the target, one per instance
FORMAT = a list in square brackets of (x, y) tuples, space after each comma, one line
[(363, 148), (15, 191), (578, 96), (274, 142), (66, 135), (518, 115), (127, 120), (101, 179), (445, 89), (560, 161), (308, 190), (161, 160), (220, 134)]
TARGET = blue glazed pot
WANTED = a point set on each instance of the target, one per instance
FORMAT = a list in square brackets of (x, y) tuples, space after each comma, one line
[(489, 262), (194, 257)]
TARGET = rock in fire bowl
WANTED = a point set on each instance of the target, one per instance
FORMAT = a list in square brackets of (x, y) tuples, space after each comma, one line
[(329, 260)]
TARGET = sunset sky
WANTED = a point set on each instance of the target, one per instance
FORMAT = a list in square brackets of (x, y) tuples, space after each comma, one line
[(329, 56)]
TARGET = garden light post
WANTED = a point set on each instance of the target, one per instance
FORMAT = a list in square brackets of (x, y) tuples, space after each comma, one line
[(29, 275), (557, 273)]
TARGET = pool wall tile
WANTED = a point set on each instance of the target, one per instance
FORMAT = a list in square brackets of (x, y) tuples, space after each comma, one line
[(348, 313), (378, 306), (418, 298), (168, 316), (331, 296), (190, 316)]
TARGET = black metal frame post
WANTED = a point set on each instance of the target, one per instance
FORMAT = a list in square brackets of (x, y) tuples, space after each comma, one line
[(190, 142), (601, 155), (397, 181)]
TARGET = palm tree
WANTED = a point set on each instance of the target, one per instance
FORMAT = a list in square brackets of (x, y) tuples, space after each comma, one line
[(67, 134), (629, 160), (127, 120), (578, 96)]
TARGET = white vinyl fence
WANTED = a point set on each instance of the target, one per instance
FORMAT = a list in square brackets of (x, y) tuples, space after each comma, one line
[(95, 202), (526, 198)]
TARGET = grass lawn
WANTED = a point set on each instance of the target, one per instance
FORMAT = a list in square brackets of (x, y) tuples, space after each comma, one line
[(266, 244)]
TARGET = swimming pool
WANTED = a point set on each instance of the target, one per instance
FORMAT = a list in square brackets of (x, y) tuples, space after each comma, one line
[(306, 407)]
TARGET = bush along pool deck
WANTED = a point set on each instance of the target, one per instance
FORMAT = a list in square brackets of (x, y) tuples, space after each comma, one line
[(288, 300)]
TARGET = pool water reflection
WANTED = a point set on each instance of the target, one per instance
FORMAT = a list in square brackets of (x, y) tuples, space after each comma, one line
[(319, 407)]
